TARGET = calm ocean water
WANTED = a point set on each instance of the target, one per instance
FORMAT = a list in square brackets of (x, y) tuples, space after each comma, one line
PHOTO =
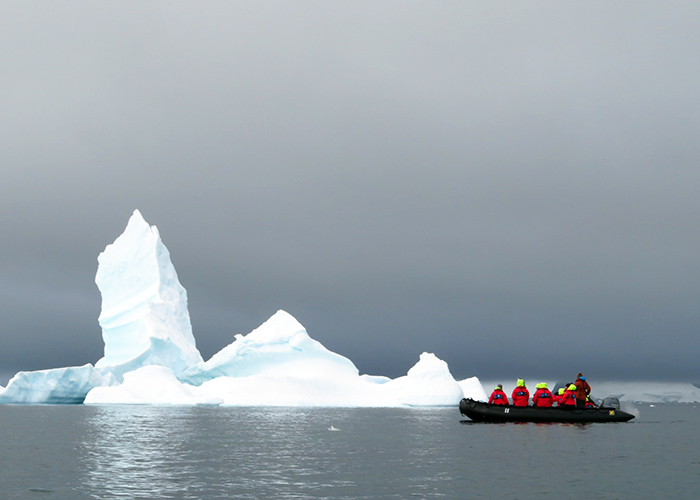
[(76, 452)]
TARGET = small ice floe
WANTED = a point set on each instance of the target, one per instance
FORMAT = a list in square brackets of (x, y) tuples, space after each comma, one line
[(331, 428), (652, 406)]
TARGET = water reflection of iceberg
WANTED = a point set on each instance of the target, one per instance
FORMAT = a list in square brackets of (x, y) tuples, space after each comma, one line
[(187, 452), (134, 452)]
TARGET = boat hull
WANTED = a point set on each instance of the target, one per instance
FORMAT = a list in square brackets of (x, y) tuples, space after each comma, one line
[(484, 412)]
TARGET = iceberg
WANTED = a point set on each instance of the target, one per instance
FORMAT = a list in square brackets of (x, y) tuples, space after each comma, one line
[(428, 383), (144, 315), (67, 385), (280, 347), (144, 320), (472, 388), (150, 354), (327, 387), (152, 384)]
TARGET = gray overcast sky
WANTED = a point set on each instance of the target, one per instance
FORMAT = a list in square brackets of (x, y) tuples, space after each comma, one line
[(510, 185)]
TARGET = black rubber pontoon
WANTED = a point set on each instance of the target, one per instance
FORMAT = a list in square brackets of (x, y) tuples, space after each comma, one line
[(484, 412)]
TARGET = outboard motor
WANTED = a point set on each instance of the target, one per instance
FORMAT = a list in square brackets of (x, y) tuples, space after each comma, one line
[(611, 402)]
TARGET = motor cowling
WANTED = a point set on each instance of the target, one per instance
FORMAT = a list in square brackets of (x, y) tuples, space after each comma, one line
[(611, 402)]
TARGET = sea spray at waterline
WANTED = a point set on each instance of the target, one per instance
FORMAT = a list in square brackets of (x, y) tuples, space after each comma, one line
[(631, 409)]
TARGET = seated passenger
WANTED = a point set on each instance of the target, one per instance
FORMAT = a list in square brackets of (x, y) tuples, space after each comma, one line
[(542, 397), (590, 403), (498, 397), (569, 397), (521, 395), (557, 398)]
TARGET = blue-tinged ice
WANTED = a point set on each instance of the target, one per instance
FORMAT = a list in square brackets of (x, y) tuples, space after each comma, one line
[(278, 364), (150, 355), (279, 347), (144, 315), (144, 322), (428, 383), (67, 385)]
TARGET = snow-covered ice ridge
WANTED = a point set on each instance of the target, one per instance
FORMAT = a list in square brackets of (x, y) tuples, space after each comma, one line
[(150, 355), (649, 392)]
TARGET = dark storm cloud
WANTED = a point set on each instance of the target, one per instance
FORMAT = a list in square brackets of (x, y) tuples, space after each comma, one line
[(512, 187)]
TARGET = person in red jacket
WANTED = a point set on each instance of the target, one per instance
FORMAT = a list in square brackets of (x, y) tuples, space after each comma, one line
[(568, 399), (521, 395), (498, 397), (583, 390), (542, 397), (558, 396)]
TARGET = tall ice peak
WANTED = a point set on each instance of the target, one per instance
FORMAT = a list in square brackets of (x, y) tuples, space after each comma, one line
[(144, 315), (281, 326)]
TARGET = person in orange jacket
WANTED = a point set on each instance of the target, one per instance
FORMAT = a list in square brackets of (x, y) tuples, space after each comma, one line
[(542, 397), (498, 397), (521, 395)]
